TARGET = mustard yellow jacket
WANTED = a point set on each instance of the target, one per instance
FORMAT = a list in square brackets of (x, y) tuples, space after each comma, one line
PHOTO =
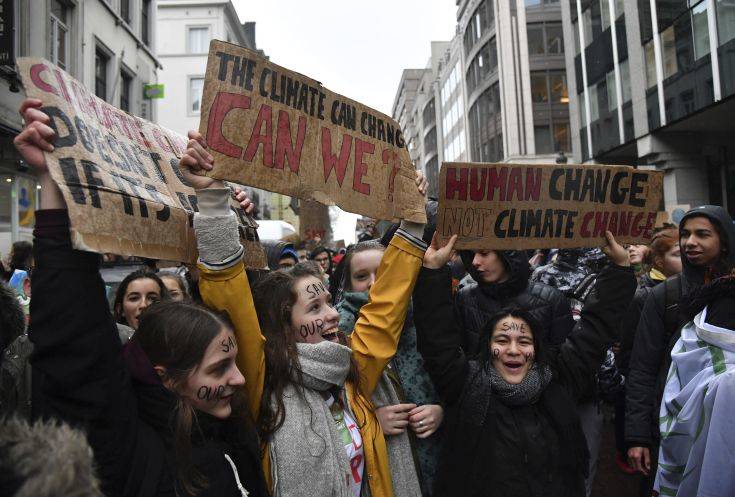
[(373, 343)]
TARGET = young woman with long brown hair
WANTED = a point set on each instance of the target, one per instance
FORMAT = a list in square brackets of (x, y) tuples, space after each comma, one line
[(309, 387), (165, 415)]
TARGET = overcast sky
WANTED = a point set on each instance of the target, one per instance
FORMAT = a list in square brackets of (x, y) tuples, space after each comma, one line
[(356, 48)]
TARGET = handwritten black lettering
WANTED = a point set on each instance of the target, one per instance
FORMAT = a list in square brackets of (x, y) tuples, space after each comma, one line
[(210, 394), (511, 326), (312, 328), (315, 289), (228, 344)]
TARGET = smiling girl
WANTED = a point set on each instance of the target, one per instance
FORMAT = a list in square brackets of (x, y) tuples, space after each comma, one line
[(308, 386), (513, 427)]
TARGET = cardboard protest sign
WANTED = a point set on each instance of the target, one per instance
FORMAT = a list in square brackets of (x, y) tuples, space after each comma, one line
[(278, 130), (514, 206), (118, 173)]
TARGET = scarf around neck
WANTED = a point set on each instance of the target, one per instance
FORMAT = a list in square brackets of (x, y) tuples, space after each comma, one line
[(307, 453), (324, 365), (526, 392)]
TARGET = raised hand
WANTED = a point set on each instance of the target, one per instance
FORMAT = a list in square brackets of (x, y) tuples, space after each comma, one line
[(245, 203), (421, 183), (36, 137), (196, 162), (615, 252), (437, 256)]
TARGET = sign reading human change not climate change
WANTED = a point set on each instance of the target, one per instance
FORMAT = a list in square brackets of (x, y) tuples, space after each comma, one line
[(515, 206)]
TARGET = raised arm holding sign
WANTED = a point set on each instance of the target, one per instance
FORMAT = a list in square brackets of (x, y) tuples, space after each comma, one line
[(275, 129)]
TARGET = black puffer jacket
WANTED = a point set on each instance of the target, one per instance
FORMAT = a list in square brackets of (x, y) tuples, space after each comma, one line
[(651, 356), (477, 302), (492, 449)]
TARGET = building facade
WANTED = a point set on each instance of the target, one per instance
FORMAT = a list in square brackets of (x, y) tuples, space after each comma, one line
[(652, 84), (497, 92), (184, 30), (517, 99), (109, 45)]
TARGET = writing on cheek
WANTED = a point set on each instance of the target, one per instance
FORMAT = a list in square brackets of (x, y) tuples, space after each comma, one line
[(312, 328), (228, 345), (315, 289), (496, 353), (529, 356), (210, 394)]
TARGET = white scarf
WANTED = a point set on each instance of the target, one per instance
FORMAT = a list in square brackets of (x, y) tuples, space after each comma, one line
[(697, 420)]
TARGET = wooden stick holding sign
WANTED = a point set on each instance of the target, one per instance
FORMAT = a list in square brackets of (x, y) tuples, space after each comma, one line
[(118, 173), (278, 130), (520, 206)]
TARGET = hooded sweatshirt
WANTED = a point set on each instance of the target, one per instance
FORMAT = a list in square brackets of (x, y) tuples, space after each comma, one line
[(275, 250), (651, 356), (477, 302)]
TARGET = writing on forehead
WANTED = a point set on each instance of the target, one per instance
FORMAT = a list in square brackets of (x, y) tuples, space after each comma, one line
[(315, 289), (228, 344), (312, 328), (513, 326), (210, 394)]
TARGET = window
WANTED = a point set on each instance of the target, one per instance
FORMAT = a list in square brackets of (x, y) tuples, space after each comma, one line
[(480, 22), (668, 49), (533, 3), (101, 61), (198, 40), (549, 87), (535, 39), (196, 85), (725, 20), (625, 80), (562, 139), (594, 104), (429, 114), (605, 13), (575, 29), (125, 10), (612, 100), (542, 137), (587, 26), (701, 30), (559, 93), (59, 34), (539, 89), (650, 65), (554, 39), (145, 25), (545, 38), (126, 83), (484, 62)]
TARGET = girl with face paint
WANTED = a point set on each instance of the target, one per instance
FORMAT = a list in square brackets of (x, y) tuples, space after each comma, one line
[(164, 415), (513, 427), (312, 407)]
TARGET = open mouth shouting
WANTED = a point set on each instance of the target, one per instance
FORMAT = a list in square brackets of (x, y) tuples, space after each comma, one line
[(332, 334)]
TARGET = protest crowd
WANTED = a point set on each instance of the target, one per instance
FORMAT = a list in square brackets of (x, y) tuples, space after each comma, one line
[(397, 367)]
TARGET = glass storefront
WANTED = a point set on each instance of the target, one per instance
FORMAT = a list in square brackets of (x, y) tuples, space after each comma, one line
[(18, 203)]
